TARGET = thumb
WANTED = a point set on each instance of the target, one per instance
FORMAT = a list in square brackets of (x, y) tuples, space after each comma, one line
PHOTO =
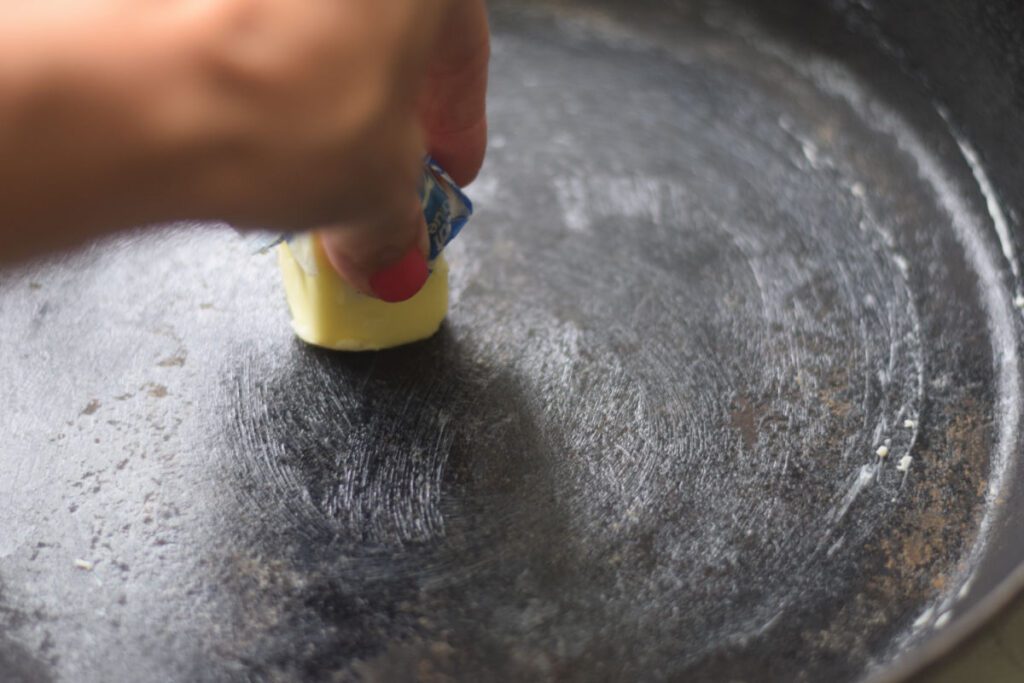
[(385, 257)]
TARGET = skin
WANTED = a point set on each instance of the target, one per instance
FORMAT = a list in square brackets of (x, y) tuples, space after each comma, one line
[(260, 113)]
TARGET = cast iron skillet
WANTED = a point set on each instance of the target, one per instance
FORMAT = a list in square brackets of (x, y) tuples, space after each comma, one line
[(723, 255)]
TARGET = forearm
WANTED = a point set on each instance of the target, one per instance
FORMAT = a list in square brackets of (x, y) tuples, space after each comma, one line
[(95, 128)]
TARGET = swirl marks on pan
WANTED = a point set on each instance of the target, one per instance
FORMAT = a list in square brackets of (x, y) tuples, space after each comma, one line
[(665, 419)]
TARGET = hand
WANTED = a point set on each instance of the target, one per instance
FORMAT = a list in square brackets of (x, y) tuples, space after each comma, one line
[(268, 113), (385, 257), (353, 94)]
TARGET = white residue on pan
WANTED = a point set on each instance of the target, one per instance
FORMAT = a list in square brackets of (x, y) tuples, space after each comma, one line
[(927, 618), (973, 230), (991, 201), (924, 619), (811, 153), (766, 626), (965, 589), (643, 198), (865, 476)]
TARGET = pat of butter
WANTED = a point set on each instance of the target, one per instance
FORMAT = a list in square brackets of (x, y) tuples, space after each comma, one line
[(327, 312)]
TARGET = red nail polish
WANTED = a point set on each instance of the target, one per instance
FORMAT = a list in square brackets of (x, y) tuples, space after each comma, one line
[(401, 280)]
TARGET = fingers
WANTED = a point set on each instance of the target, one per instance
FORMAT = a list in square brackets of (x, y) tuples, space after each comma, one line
[(453, 103), (385, 258)]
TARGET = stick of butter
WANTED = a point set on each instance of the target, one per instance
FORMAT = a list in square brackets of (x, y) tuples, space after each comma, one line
[(328, 312)]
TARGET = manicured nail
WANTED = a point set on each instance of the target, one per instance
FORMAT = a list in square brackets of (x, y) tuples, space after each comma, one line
[(401, 280)]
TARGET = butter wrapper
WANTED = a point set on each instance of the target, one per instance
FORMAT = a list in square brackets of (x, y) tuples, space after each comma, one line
[(445, 207)]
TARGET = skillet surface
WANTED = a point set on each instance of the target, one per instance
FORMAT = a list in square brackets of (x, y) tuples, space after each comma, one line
[(709, 277)]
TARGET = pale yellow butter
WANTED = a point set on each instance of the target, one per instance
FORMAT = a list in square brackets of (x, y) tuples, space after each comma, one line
[(327, 312)]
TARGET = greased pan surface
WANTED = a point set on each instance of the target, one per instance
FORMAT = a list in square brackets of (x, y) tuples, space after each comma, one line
[(711, 274)]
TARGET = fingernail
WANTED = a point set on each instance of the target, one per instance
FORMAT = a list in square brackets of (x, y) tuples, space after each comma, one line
[(401, 280)]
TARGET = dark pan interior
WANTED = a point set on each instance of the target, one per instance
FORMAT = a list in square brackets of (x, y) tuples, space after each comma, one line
[(719, 260)]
